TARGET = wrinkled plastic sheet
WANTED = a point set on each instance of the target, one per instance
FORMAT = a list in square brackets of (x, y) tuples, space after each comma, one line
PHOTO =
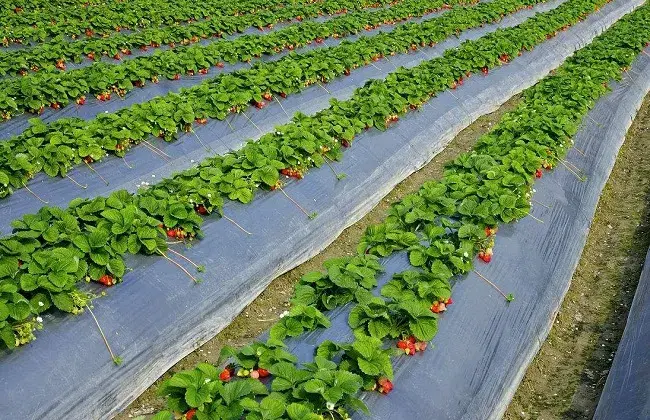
[(627, 391), (93, 106), (158, 315), (219, 136)]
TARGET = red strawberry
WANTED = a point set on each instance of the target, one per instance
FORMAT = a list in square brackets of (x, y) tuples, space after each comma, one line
[(220, 64), (486, 258), (385, 385), (263, 372), (81, 100), (283, 95), (106, 280), (177, 76), (448, 301), (190, 414), (225, 375), (55, 105), (485, 71), (171, 233), (200, 209), (538, 173)]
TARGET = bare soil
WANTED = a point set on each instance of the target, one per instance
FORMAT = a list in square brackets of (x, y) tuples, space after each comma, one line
[(266, 309)]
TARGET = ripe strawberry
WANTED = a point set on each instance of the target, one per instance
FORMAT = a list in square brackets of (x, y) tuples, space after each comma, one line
[(485, 71), (267, 96), (106, 280), (385, 385), (448, 301), (538, 173), (200, 209), (263, 372), (190, 72), (345, 143), (117, 56), (220, 64), (55, 105), (60, 65), (225, 375), (283, 95), (177, 76), (81, 100), (486, 258), (260, 105), (171, 233), (190, 414), (203, 71)]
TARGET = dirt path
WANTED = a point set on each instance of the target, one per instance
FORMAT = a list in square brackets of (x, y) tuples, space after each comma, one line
[(567, 376), (267, 308)]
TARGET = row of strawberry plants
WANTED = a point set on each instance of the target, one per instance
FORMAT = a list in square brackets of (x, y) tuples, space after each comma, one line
[(37, 90), (60, 49), (50, 252), (56, 147), (505, 163), (191, 58), (53, 55), (105, 19)]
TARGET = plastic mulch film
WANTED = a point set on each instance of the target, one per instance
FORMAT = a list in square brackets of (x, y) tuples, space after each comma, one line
[(627, 391), (158, 315)]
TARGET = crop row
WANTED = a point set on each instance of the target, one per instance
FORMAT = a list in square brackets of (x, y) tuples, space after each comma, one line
[(53, 55), (35, 91), (56, 147), (102, 20), (50, 252), (443, 239)]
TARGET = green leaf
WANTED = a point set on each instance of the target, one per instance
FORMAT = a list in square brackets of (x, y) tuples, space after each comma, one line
[(424, 329)]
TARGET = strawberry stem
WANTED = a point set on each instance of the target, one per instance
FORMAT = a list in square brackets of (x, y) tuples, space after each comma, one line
[(580, 178), (251, 121), (541, 204), (116, 359), (579, 151), (34, 194), (508, 298), (126, 163), (76, 183), (311, 216), (96, 173), (324, 88), (183, 257), (339, 176), (194, 279), (236, 224), (208, 148), (535, 218), (229, 125), (156, 150), (282, 106)]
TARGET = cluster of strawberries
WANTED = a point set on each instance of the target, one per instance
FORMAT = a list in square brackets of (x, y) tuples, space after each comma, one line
[(176, 233), (228, 372), (486, 254), (383, 386), (411, 346), (292, 173), (441, 305)]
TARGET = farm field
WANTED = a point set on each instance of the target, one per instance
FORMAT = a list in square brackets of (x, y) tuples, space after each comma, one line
[(322, 209)]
